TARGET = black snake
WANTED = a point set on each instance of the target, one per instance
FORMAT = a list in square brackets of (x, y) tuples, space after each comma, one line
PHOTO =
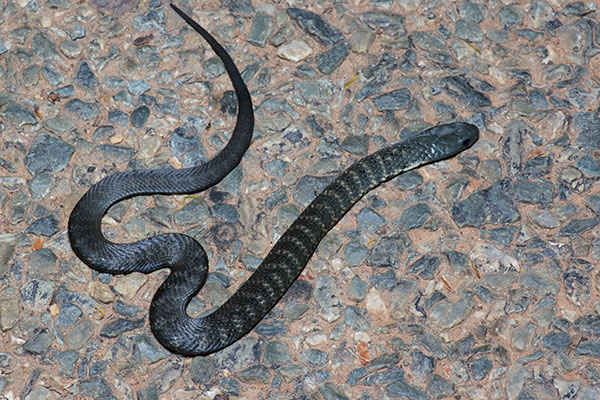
[(169, 321)]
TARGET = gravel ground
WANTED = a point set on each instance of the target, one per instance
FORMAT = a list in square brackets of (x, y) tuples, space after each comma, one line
[(473, 278)]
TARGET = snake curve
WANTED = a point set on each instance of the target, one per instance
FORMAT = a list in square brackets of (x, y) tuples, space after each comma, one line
[(186, 258)]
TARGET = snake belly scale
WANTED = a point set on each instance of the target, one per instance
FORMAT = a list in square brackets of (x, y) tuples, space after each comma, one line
[(186, 258)]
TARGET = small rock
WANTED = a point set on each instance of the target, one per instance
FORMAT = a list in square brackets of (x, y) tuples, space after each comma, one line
[(128, 285), (17, 114), (395, 100), (296, 50), (9, 312), (38, 344), (101, 292), (316, 26)]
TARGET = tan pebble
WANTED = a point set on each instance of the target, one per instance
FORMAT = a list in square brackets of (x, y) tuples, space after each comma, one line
[(101, 292)]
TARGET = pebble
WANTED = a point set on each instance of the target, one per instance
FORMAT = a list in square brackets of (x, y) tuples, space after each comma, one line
[(316, 26), (139, 116), (295, 50), (69, 315), (491, 205), (329, 60), (9, 312), (392, 101), (85, 78), (48, 153), (83, 110), (447, 314), (262, 28), (18, 114), (388, 22), (128, 285), (120, 325)]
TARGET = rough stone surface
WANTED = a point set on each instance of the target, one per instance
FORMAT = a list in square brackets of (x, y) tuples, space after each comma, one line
[(472, 278)]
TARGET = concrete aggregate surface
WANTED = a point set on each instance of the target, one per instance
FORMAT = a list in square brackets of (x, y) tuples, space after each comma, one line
[(473, 278)]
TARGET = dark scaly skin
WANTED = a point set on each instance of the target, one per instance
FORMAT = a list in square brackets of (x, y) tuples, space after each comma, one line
[(187, 260)]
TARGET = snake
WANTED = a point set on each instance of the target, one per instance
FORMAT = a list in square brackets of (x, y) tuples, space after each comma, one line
[(169, 321)]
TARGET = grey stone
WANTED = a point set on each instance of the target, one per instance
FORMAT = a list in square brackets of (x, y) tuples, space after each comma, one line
[(388, 22), (70, 48), (510, 16), (329, 60), (556, 341), (421, 366), (447, 315), (588, 348), (328, 295), (588, 165), (84, 111), (534, 192), (95, 387), (31, 76), (138, 87), (357, 318), (242, 7), (480, 367), (9, 313), (48, 153), (47, 226), (148, 392), (37, 293), (276, 353), (493, 205), (395, 100), (308, 187), (68, 315), (402, 389), (42, 263), (516, 377), (429, 42), (522, 337), (44, 48), (80, 334), (139, 116), (38, 344), (261, 30), (201, 370), (588, 325), (469, 31), (17, 114), (354, 253), (576, 226), (425, 267), (438, 387), (149, 348), (387, 250), (239, 355), (330, 391), (586, 126), (256, 374), (85, 78), (119, 326), (66, 359), (414, 217), (314, 25), (462, 90), (314, 357), (369, 221)]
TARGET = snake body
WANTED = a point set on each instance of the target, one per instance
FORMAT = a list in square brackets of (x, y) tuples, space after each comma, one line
[(187, 260)]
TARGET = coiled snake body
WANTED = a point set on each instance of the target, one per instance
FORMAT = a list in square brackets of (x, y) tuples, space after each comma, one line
[(169, 321)]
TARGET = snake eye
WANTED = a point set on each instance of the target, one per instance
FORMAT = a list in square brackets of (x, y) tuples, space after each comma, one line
[(466, 142)]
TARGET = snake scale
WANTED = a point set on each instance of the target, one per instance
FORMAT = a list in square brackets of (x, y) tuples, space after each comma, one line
[(186, 258)]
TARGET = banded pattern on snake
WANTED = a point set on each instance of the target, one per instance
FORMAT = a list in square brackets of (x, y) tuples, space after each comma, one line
[(169, 321)]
